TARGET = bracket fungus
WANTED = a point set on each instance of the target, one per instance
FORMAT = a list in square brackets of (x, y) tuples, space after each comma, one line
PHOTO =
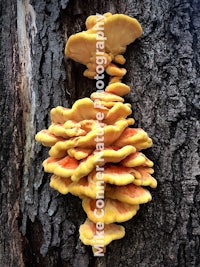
[(95, 152), (119, 31)]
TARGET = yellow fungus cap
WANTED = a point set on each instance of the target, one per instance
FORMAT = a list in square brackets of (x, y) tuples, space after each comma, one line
[(133, 136), (85, 187), (106, 96), (100, 159), (60, 130), (60, 184), (78, 112), (136, 159), (113, 210), (145, 178), (62, 167), (80, 46), (118, 112), (111, 232), (118, 88), (118, 174), (120, 59), (47, 138), (110, 134), (131, 194), (79, 153), (114, 70), (120, 30), (92, 20)]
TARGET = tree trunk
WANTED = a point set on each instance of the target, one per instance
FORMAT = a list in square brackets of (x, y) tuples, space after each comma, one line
[(39, 226)]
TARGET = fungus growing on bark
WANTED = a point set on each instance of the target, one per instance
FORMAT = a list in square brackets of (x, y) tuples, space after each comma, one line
[(118, 174), (131, 194), (62, 167), (114, 210), (108, 155), (79, 153), (85, 187), (110, 133), (111, 232), (118, 88), (136, 159), (94, 153), (145, 178), (47, 138), (119, 31)]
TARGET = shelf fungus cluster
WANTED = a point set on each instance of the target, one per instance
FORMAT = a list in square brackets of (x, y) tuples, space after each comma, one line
[(108, 36), (95, 152)]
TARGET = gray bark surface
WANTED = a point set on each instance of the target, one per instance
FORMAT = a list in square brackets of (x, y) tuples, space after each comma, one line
[(39, 226)]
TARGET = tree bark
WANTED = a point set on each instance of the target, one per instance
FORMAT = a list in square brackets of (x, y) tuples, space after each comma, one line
[(39, 226)]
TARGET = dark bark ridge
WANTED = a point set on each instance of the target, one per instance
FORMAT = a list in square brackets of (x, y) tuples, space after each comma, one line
[(12, 138), (41, 229)]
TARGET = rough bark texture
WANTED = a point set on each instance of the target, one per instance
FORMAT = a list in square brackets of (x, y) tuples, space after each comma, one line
[(38, 226)]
